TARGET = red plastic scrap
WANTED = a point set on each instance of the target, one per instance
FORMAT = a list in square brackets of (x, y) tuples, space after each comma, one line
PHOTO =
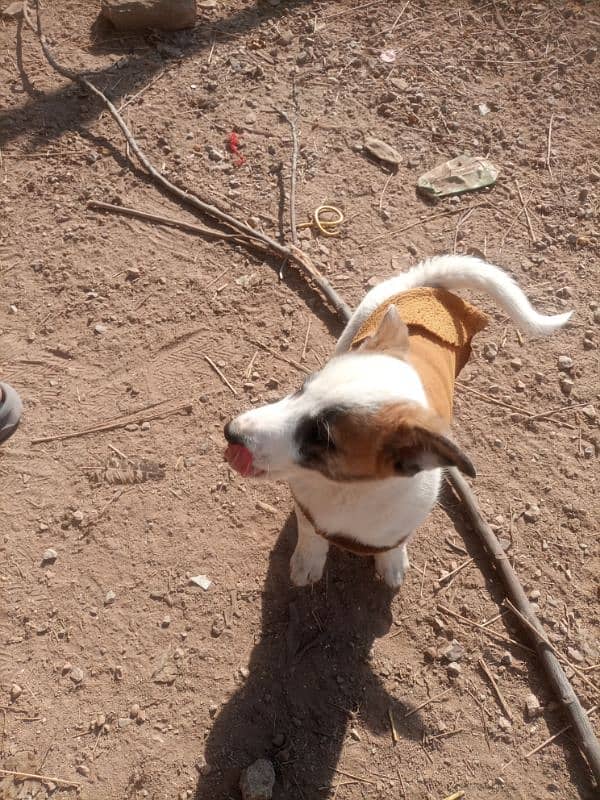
[(233, 145)]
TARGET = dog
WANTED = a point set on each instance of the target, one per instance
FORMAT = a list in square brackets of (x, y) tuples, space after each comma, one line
[(364, 441)]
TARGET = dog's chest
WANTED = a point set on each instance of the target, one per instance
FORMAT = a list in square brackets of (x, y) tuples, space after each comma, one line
[(377, 514)]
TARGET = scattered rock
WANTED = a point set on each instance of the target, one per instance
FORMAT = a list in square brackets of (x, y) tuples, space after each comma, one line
[(566, 385), (533, 709), (454, 652), (565, 363), (454, 670), (535, 595), (490, 351), (382, 151), (202, 581), (165, 622), (109, 598), (258, 780), (13, 11), (15, 692), (50, 556), (83, 769), (532, 513), (100, 329), (590, 413), (76, 675), (124, 722), (215, 154), (77, 517), (167, 15), (516, 363)]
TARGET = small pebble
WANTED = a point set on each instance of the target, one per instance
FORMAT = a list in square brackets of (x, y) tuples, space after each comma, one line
[(50, 556), (83, 769), (15, 692), (532, 513), (77, 517), (565, 362), (109, 598), (506, 660), (533, 709), (504, 724), (535, 595), (134, 710), (166, 621), (99, 329), (454, 670), (76, 675), (516, 363), (454, 652)]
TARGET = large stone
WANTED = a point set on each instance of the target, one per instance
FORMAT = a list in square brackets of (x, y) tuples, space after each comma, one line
[(167, 15)]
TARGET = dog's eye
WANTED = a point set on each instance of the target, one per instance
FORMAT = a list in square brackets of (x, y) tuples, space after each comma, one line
[(316, 436)]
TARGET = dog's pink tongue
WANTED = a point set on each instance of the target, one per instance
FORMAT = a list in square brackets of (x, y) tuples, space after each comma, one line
[(240, 458)]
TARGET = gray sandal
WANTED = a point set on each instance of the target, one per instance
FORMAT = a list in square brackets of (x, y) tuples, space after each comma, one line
[(10, 411)]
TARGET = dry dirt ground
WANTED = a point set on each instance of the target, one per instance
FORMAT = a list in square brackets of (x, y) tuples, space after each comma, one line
[(127, 679)]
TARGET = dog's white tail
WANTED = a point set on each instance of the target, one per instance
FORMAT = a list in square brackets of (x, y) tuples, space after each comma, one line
[(468, 272)]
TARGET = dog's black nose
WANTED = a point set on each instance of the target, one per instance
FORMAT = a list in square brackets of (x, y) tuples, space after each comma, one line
[(231, 436)]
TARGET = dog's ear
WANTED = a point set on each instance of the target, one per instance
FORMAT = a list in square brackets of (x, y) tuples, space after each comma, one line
[(419, 449), (392, 334)]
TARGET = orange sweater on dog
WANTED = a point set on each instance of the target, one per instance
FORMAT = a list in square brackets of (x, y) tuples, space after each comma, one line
[(440, 327)]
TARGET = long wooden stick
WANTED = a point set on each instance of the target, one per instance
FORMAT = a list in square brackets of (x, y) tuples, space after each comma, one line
[(251, 235), (556, 675)]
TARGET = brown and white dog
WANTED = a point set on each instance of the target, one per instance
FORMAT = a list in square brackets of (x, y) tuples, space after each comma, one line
[(363, 442)]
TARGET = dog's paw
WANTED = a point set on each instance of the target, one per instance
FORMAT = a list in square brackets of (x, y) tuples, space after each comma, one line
[(392, 566), (306, 567)]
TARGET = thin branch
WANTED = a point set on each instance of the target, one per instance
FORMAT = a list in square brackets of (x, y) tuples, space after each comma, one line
[(295, 147), (111, 426), (98, 205), (33, 776)]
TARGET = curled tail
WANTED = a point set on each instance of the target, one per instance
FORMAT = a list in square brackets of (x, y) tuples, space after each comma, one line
[(468, 272)]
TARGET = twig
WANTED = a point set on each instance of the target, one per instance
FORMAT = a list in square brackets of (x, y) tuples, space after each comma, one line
[(303, 355), (252, 236), (220, 374), (277, 355), (142, 90), (586, 737), (393, 727), (555, 736), (492, 634), (293, 126), (515, 220), (527, 217), (518, 409), (385, 186), (98, 205), (549, 144), (33, 776), (354, 777), (426, 703), (559, 410), (496, 688), (120, 423), (423, 579), (544, 639), (420, 221), (456, 796), (454, 572)]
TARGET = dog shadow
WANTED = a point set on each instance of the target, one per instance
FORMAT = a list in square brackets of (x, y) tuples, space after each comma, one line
[(310, 681)]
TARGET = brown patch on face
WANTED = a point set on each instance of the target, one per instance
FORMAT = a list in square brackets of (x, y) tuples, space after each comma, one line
[(398, 440)]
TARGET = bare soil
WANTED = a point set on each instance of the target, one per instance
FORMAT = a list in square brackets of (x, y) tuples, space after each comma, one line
[(133, 681)]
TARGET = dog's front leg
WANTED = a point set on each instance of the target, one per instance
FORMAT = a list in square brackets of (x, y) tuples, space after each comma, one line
[(392, 565), (308, 561)]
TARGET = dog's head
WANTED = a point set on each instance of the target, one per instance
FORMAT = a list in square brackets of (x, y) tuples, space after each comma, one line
[(364, 416)]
